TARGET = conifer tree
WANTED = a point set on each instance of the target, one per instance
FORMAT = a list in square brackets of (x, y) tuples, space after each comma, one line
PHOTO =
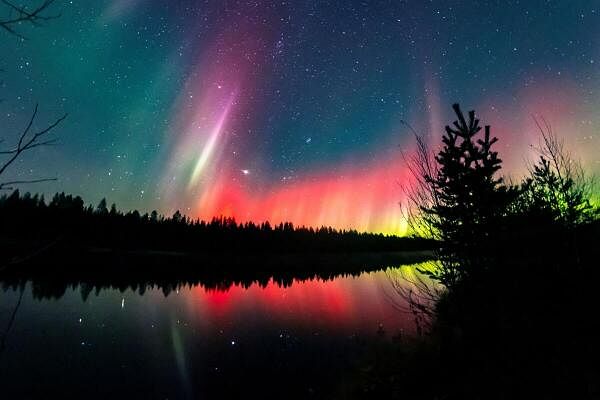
[(102, 207), (468, 197)]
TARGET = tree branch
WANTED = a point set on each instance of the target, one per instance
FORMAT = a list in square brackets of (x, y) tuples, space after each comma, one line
[(5, 185), (22, 15), (27, 143)]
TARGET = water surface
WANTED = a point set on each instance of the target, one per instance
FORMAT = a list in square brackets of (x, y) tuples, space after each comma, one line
[(195, 342)]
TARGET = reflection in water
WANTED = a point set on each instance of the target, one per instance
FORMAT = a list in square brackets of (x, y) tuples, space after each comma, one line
[(344, 303), (196, 340), (415, 292), (10, 323)]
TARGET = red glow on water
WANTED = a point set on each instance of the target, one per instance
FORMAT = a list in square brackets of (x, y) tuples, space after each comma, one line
[(348, 304)]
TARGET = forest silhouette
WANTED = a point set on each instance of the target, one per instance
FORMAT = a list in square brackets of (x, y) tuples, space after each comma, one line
[(64, 243), (66, 217)]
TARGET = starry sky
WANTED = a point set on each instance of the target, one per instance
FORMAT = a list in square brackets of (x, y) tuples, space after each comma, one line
[(289, 110)]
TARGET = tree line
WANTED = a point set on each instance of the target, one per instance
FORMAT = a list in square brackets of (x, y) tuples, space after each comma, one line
[(31, 217)]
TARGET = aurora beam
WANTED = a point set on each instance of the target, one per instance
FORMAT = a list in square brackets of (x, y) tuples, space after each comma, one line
[(211, 143)]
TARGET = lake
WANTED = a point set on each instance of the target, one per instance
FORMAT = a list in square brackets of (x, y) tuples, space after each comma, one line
[(267, 340)]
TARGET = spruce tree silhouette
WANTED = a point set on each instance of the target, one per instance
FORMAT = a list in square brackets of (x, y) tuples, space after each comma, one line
[(468, 198), (102, 208)]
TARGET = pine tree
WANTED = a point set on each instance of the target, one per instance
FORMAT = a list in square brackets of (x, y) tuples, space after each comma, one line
[(102, 208), (468, 197)]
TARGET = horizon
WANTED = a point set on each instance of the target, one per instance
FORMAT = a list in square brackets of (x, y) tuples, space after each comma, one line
[(287, 112)]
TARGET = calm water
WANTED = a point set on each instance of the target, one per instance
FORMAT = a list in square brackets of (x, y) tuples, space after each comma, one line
[(195, 342)]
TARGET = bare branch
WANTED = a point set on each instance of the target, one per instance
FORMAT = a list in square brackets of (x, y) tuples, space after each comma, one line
[(7, 185), (27, 142), (50, 142), (20, 14), (420, 193)]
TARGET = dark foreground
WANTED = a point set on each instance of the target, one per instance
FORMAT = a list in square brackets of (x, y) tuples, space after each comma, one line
[(153, 325), (528, 329)]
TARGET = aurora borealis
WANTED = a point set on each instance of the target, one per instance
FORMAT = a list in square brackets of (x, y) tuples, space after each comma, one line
[(290, 110)]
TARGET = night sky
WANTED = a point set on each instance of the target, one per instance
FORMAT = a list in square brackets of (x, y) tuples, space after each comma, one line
[(289, 110)]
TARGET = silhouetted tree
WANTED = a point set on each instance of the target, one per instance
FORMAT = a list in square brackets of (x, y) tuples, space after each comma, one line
[(102, 208), (459, 197), (177, 217), (512, 259), (558, 188)]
